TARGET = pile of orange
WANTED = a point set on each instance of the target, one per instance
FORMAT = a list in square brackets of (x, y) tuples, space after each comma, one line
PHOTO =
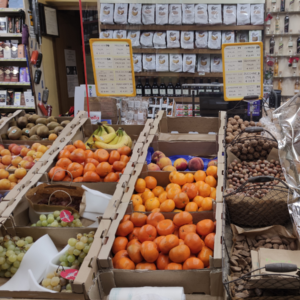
[(189, 192), (153, 242), (89, 166)]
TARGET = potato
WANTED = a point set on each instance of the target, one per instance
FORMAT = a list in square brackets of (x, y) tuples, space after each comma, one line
[(246, 123), (240, 121), (235, 127), (230, 119), (229, 139), (236, 117), (229, 129), (235, 133), (233, 122), (252, 123), (243, 127)]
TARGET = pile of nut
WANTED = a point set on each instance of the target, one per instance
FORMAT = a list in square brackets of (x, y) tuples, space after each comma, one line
[(239, 172), (235, 125), (240, 261)]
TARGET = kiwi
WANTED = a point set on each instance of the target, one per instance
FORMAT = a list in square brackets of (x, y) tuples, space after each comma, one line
[(22, 122), (12, 123), (15, 134), (52, 125), (34, 129), (27, 116), (25, 131), (11, 128), (42, 131), (30, 125), (34, 137), (4, 136), (64, 123), (51, 119), (33, 118), (58, 129), (51, 131), (41, 121), (24, 137)]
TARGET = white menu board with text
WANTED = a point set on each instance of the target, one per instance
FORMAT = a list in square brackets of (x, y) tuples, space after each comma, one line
[(113, 67), (242, 70)]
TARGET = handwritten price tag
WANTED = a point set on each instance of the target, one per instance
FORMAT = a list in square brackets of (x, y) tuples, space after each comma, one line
[(66, 216), (69, 274)]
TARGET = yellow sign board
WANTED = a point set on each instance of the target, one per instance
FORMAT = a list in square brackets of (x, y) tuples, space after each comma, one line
[(242, 70), (113, 67)]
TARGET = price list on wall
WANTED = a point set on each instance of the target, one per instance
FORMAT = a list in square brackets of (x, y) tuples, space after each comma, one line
[(113, 67), (242, 70)]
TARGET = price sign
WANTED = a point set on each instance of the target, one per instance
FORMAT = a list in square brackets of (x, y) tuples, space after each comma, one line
[(113, 67), (242, 70)]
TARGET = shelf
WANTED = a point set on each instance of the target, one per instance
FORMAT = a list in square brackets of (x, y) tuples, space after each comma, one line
[(282, 34), (15, 83), (282, 55), (174, 74), (171, 51), (17, 107), (10, 35), (10, 10), (12, 59), (180, 27), (292, 12), (285, 77)]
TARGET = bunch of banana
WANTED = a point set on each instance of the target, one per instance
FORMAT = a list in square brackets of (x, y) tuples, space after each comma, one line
[(113, 140)]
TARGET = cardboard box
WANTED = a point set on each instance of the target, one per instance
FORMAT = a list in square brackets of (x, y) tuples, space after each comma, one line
[(207, 281)]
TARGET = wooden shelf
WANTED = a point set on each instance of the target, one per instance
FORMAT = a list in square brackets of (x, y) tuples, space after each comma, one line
[(12, 59), (177, 50), (174, 74), (285, 77), (10, 35), (282, 55), (292, 12), (17, 107), (180, 27), (282, 34), (10, 10), (15, 83), (90, 22)]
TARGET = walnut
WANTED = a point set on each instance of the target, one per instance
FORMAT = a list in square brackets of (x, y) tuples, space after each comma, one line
[(234, 149), (263, 153), (250, 156), (253, 143), (244, 150), (229, 129), (251, 150), (243, 157), (256, 155), (266, 146), (258, 148)]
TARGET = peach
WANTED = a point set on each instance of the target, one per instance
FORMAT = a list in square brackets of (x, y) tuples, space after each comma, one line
[(38, 155), (16, 150), (213, 162), (12, 178), (180, 164), (35, 146), (6, 159), (169, 169), (1, 147), (12, 168), (2, 166), (31, 153), (163, 162), (3, 174), (16, 161), (156, 156), (153, 167), (11, 146), (20, 173), (24, 151), (5, 152), (5, 184), (28, 165), (12, 185), (196, 164), (28, 158), (42, 148)]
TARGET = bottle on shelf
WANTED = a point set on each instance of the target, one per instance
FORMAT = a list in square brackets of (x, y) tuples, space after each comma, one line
[(216, 89), (201, 88), (276, 67), (208, 87), (147, 88), (178, 88), (298, 44), (280, 46), (272, 45), (282, 5), (194, 89), (297, 86), (290, 45), (286, 24), (291, 5), (277, 25), (185, 89), (155, 88), (279, 85), (162, 88), (170, 88), (139, 88)]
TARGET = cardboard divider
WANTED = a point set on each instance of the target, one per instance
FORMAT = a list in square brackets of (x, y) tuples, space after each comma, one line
[(143, 135), (221, 184), (193, 281)]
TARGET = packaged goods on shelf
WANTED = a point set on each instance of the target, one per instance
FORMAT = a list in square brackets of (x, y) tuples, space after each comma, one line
[(137, 60), (147, 39), (159, 40), (243, 14), (216, 63), (201, 16), (255, 36), (214, 40), (175, 62), (228, 37), (188, 13), (201, 38), (173, 37), (175, 11), (135, 13), (214, 14), (135, 37), (120, 13), (148, 14), (162, 62), (162, 14), (107, 34), (204, 63), (229, 14), (242, 37), (107, 13), (189, 63), (187, 39), (119, 34), (257, 14), (149, 62), (4, 24)]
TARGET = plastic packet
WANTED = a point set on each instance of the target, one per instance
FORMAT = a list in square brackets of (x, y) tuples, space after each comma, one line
[(175, 14), (229, 14), (107, 34), (149, 62), (203, 63), (173, 39), (137, 62), (242, 36), (214, 40), (175, 62), (189, 63), (107, 13), (215, 14), (147, 39), (201, 16), (119, 34), (159, 40), (201, 39), (162, 62), (255, 36), (257, 14), (228, 37), (188, 13), (134, 36), (120, 14), (148, 14), (216, 63), (162, 14), (135, 13), (243, 14), (187, 39)]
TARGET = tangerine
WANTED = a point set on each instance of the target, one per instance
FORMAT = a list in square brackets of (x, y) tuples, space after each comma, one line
[(138, 219), (211, 181), (181, 200), (147, 233), (189, 177), (182, 218), (179, 178), (204, 190), (212, 171), (198, 200), (101, 155), (194, 242), (162, 261), (75, 169), (134, 252), (204, 255), (191, 190), (119, 244), (149, 251), (191, 206), (174, 266), (200, 175), (145, 266), (179, 254), (140, 185), (136, 200), (114, 156), (210, 240), (167, 206), (165, 227), (158, 190), (168, 242), (163, 197), (103, 169), (185, 229), (205, 227), (91, 176), (151, 182), (154, 218), (125, 228), (193, 263)]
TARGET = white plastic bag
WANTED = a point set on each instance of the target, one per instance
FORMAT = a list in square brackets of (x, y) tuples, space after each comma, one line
[(204, 63), (215, 14), (148, 14), (147, 39), (243, 14), (107, 34), (257, 14), (120, 14), (162, 62), (107, 13), (228, 37), (187, 39), (134, 36), (214, 40), (137, 62), (162, 14), (201, 39), (135, 13), (175, 14), (149, 62), (119, 34), (201, 16)]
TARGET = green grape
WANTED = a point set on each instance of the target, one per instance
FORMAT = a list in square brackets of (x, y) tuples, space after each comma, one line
[(54, 281), (50, 275), (20, 256), (80, 260), (12, 258), (84, 239), (8, 262), (50, 216), (6, 244), (33, 225), (7, 274), (59, 225), (64, 224), (71, 258), (76, 252), (16, 264), (2, 260), (17, 249), (54, 224), (5, 266), (13, 270), (44, 223), (49, 287), (2, 254), (25, 243), (70, 250), (17, 252), (76, 262), (86, 249), (79, 236), (82, 255), (63, 258), (11, 247), (58, 219), (76, 216), (90, 240), (43, 218), (64, 264), (9, 253), (72, 242), (57, 288), (72, 225), (2, 274), (39, 223), (91, 234), (28, 246), (56, 213), (79, 245), (29, 239), (1, 249), (46, 282), (68, 287), (50, 220)]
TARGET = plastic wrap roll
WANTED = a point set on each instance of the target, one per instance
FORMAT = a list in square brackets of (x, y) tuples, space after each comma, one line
[(147, 293)]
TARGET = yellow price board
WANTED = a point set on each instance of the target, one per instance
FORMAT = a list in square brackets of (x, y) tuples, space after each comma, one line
[(113, 67), (242, 70)]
